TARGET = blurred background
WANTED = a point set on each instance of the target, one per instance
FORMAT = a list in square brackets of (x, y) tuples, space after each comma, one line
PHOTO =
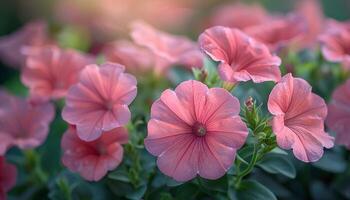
[(88, 24)]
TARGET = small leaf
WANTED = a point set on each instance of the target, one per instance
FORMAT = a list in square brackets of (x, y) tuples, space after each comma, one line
[(331, 162), (278, 150), (219, 185), (137, 193), (276, 164), (119, 175), (253, 190)]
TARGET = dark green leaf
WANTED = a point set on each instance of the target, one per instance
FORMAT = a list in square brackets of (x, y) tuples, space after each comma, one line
[(277, 164), (253, 190)]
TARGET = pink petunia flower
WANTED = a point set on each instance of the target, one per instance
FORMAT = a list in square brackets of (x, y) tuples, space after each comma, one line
[(92, 160), (32, 34), (195, 130), (99, 101), (279, 32), (50, 71), (298, 119), (241, 57), (168, 49), (23, 124), (338, 119), (239, 15), (311, 11), (136, 59), (335, 44), (8, 174)]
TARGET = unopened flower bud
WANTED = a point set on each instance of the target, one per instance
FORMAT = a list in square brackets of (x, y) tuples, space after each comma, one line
[(249, 103)]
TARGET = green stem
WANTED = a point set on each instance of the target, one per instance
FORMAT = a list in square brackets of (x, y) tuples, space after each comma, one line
[(249, 168)]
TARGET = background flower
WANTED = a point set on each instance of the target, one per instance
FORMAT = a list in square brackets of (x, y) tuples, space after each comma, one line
[(241, 57), (23, 124), (338, 119), (92, 160), (8, 174), (99, 101), (50, 71)]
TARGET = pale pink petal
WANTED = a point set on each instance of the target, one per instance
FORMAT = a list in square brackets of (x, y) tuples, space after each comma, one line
[(92, 160), (298, 120), (99, 101), (338, 119), (241, 57)]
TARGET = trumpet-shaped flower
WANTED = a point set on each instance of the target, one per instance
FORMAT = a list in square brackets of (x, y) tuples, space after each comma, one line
[(195, 130), (241, 57), (298, 119), (99, 101), (92, 160)]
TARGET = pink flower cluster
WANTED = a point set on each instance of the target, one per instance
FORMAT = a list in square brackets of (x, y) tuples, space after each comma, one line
[(193, 129)]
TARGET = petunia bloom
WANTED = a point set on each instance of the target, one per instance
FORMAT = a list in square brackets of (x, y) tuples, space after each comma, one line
[(23, 124), (298, 119), (99, 101), (338, 119), (241, 57), (279, 32), (32, 34), (92, 160), (311, 11), (238, 15), (335, 44), (8, 174), (50, 71), (195, 130), (168, 49), (136, 59)]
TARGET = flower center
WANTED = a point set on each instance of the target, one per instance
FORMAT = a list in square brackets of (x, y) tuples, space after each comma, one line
[(199, 129), (109, 105)]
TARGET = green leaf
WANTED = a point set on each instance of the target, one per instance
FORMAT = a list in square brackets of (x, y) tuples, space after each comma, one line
[(278, 150), (219, 185), (277, 164), (137, 193), (331, 162), (253, 190), (119, 176)]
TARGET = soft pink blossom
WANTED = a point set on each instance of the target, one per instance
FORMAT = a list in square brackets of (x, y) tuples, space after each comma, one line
[(238, 15), (92, 160), (168, 49), (298, 119), (136, 59), (195, 130), (32, 34), (99, 101), (279, 32), (23, 124), (241, 57), (338, 119), (312, 12), (8, 174), (50, 71), (335, 44)]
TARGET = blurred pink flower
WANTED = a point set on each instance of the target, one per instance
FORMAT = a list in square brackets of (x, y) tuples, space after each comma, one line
[(238, 15), (92, 160), (50, 71), (335, 44), (23, 124), (338, 119), (298, 119), (195, 130), (279, 32), (110, 18), (8, 174), (99, 101), (32, 34), (241, 57), (168, 49), (136, 59), (312, 12)]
